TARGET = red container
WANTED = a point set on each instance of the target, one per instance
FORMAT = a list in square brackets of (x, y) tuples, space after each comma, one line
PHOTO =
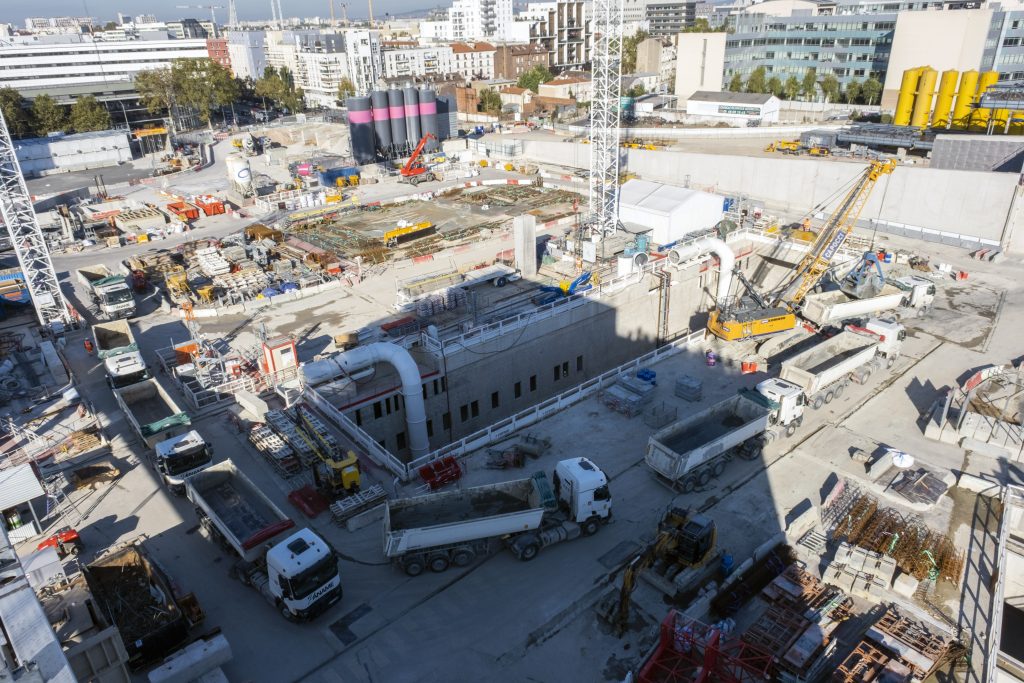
[(183, 210), (211, 207)]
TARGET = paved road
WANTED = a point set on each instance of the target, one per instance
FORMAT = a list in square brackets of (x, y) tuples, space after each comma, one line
[(64, 182)]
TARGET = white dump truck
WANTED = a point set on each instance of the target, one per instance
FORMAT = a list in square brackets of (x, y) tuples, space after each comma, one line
[(824, 371), (180, 457), (454, 527), (151, 411), (829, 308), (116, 347), (918, 292), (110, 292), (295, 570), (691, 452)]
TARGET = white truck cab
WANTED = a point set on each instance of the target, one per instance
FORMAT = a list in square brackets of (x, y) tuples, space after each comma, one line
[(125, 369), (890, 334), (919, 292), (789, 400), (582, 489), (302, 573), (182, 456)]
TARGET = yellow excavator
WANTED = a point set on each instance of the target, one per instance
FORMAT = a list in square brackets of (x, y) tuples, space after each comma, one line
[(756, 314)]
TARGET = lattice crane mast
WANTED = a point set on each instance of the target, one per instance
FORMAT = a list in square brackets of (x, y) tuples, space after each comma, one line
[(776, 312), (28, 240)]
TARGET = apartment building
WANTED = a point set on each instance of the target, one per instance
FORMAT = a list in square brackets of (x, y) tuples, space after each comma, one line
[(247, 54), (472, 20), (700, 63), (1004, 46), (319, 75), (563, 29), (58, 25), (74, 65), (579, 88), (512, 61), (669, 18), (657, 55), (217, 48), (365, 62), (416, 61), (473, 60)]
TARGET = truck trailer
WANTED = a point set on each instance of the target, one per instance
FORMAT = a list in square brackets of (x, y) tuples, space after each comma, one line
[(454, 527), (151, 411), (690, 452), (180, 457), (824, 371), (116, 347), (296, 571), (136, 596), (829, 308), (110, 292)]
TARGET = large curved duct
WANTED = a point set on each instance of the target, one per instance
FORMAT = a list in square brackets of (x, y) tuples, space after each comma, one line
[(382, 352), (709, 245)]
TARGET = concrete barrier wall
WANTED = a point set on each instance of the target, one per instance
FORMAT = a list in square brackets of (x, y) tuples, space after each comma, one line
[(972, 203)]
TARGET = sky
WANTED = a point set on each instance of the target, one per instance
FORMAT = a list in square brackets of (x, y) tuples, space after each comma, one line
[(15, 12)]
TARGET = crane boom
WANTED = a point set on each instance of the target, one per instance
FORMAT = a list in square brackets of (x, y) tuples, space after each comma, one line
[(832, 236)]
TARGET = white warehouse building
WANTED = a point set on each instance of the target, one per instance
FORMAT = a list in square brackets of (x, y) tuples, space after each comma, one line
[(670, 212), (734, 106)]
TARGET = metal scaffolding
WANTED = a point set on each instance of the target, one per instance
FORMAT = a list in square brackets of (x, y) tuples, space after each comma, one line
[(604, 116), (28, 239)]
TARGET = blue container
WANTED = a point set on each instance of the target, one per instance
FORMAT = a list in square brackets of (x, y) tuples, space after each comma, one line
[(289, 286), (646, 375), (710, 358), (727, 564), (269, 292)]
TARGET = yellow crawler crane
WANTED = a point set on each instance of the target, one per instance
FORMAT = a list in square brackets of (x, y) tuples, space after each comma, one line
[(765, 315)]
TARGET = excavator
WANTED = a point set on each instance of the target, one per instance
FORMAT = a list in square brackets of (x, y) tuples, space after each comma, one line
[(686, 540), (757, 314), (415, 171)]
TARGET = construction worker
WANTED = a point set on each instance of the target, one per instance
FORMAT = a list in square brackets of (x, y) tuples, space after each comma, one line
[(88, 346)]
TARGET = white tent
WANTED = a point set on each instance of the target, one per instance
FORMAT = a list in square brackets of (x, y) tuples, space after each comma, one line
[(669, 211)]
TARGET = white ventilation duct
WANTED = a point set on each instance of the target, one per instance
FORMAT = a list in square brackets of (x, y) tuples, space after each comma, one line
[(709, 245), (361, 357)]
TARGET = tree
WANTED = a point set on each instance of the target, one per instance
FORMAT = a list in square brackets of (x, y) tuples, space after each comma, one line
[(870, 90), (345, 88), (157, 92), (48, 116), (88, 114), (635, 91), (629, 46), (204, 85), (110, 26), (830, 87), (791, 88), (809, 84), (736, 83), (852, 91), (490, 101), (532, 79), (775, 86), (756, 82), (12, 106), (279, 86)]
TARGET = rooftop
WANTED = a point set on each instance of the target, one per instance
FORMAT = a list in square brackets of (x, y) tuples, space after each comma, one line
[(463, 48), (731, 97)]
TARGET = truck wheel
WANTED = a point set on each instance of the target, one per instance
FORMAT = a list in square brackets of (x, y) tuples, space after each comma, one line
[(590, 527), (688, 484), (839, 390), (718, 468), (438, 563), (413, 566), (829, 396), (791, 429), (704, 477), (529, 551), (463, 557), (866, 376), (818, 402), (287, 613), (890, 361), (501, 281)]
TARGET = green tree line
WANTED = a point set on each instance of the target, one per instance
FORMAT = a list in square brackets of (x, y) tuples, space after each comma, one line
[(44, 115), (856, 92)]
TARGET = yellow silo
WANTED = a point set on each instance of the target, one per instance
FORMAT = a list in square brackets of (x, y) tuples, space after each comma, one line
[(925, 94), (944, 101), (905, 103), (980, 117), (1017, 123), (964, 96)]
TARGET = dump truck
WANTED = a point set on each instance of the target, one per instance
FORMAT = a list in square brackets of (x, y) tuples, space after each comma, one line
[(918, 292), (180, 457), (690, 452), (110, 292), (296, 571), (824, 371), (455, 527), (829, 308), (151, 411), (137, 597), (116, 347)]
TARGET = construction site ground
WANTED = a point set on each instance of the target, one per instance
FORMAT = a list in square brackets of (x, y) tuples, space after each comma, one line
[(501, 619)]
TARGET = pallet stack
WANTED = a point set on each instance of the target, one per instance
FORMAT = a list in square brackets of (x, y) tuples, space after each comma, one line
[(275, 450), (286, 429)]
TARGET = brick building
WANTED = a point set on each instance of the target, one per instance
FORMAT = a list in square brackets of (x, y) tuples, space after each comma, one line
[(217, 48), (512, 61)]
